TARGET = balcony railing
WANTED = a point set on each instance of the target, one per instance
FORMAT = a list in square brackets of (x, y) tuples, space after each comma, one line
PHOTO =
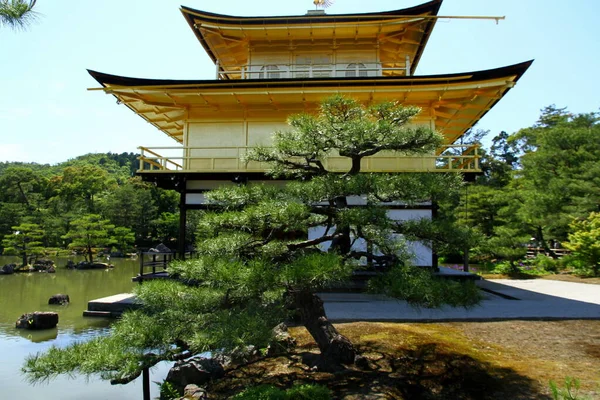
[(457, 158), (306, 71)]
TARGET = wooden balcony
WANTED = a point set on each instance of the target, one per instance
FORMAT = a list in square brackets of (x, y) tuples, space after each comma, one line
[(308, 71), (449, 158)]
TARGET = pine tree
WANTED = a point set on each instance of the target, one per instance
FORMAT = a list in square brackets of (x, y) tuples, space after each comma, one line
[(264, 250)]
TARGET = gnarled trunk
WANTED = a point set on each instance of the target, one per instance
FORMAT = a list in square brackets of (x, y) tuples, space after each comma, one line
[(335, 348)]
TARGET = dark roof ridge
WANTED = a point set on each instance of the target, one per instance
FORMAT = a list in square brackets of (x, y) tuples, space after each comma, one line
[(515, 69), (432, 7)]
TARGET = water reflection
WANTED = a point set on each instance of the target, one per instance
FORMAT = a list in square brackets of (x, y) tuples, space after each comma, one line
[(27, 292)]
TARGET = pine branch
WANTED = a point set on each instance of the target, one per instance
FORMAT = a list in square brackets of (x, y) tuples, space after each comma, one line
[(313, 242)]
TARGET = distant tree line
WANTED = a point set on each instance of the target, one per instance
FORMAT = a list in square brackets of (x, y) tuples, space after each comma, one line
[(44, 208), (540, 189)]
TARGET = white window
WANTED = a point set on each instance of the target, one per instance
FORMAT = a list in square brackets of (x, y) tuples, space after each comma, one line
[(313, 66), (269, 72), (356, 69)]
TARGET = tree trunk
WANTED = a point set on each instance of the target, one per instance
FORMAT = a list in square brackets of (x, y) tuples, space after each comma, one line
[(335, 348), (342, 243), (544, 243)]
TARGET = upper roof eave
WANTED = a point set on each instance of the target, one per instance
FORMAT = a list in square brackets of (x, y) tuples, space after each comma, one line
[(430, 8), (516, 70)]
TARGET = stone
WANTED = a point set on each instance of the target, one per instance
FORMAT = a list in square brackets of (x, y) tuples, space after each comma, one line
[(37, 320), (160, 248), (93, 265), (243, 355), (194, 392), (282, 342), (43, 265), (51, 270), (60, 299), (8, 269), (198, 371)]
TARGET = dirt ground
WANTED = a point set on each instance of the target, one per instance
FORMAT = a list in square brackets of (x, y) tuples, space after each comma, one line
[(476, 360)]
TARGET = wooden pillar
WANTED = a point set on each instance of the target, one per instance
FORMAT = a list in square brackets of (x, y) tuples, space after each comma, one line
[(146, 383), (466, 250), (434, 256)]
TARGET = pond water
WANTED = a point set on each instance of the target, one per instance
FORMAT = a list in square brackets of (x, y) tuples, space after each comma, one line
[(22, 293)]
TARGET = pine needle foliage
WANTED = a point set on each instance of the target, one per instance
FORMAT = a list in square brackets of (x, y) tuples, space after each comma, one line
[(262, 247), (17, 14)]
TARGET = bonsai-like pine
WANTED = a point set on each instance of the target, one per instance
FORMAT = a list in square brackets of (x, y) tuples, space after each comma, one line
[(266, 249), (89, 233), (25, 241)]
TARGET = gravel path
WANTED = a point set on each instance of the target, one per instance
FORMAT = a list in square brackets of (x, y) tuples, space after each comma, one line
[(509, 299)]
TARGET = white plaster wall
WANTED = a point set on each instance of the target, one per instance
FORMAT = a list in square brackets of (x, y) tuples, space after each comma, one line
[(422, 255)]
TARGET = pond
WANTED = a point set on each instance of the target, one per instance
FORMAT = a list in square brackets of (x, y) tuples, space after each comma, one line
[(22, 293)]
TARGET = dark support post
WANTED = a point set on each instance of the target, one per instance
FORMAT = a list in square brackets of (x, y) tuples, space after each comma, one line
[(466, 251), (434, 257), (146, 383), (141, 267), (182, 223)]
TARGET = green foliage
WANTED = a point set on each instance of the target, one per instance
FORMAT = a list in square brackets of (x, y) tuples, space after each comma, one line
[(263, 392), (24, 241), (17, 13), (584, 242), (308, 392), (545, 263), (419, 287), (259, 245), (88, 233), (168, 390), (122, 238), (508, 244), (54, 196), (344, 125), (299, 392), (569, 392)]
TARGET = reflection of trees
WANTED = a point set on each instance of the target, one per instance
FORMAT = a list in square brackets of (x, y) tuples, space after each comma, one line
[(22, 293)]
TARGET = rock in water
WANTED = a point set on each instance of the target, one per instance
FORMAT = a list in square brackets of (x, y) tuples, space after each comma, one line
[(160, 248), (37, 320), (8, 269), (60, 299)]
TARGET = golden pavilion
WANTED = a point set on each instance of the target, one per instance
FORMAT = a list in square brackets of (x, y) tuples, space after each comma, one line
[(267, 68)]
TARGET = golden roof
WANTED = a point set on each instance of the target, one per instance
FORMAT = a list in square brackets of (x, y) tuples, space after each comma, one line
[(396, 34), (455, 101)]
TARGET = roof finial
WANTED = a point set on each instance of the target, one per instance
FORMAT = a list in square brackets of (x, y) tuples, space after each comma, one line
[(322, 3)]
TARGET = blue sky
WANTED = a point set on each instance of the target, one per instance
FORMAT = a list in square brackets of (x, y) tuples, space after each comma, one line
[(48, 116)]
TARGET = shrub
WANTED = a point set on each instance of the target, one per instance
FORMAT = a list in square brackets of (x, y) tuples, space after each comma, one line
[(263, 392), (545, 263), (312, 392), (584, 241), (418, 286), (168, 390), (569, 392), (300, 392)]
